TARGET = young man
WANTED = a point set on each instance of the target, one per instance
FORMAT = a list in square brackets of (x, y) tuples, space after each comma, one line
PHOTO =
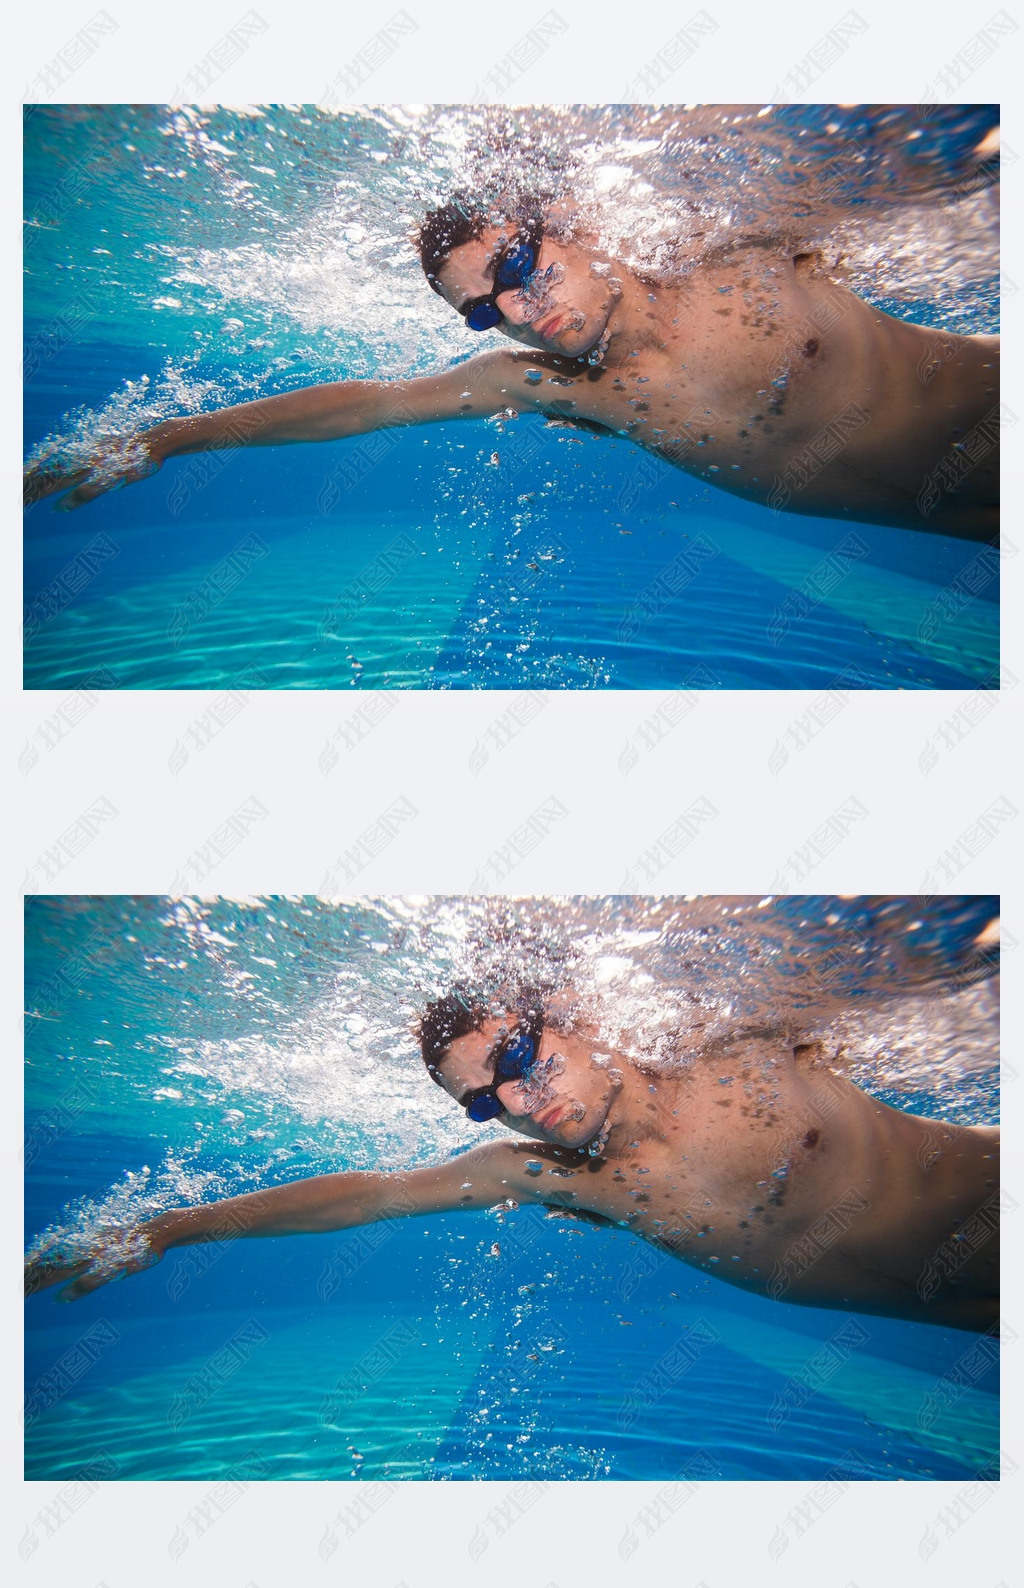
[(753, 1161), (752, 369)]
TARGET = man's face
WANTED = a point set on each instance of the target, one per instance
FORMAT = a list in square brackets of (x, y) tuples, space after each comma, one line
[(566, 312), (563, 1098)]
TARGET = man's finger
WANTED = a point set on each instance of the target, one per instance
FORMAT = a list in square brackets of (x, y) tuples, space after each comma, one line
[(88, 1282), (42, 482), (86, 492), (44, 1271)]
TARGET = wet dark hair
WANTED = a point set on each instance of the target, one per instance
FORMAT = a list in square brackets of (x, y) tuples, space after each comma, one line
[(462, 220), (460, 1011)]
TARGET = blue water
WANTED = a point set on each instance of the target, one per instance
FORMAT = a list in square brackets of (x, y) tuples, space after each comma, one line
[(158, 282), (182, 1052)]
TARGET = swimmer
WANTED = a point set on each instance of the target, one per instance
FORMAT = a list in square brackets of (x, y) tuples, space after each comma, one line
[(755, 371), (753, 1161)]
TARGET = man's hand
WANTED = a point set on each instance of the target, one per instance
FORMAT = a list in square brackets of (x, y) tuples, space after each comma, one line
[(115, 1255), (112, 465)]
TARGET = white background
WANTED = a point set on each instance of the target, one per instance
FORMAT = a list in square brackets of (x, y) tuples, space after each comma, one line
[(571, 750)]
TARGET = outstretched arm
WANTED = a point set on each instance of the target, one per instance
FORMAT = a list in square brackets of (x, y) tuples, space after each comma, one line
[(473, 390), (475, 1179)]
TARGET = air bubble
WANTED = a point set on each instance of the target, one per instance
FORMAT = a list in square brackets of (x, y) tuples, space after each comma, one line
[(534, 376)]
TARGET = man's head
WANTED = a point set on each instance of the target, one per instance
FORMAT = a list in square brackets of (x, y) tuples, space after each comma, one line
[(559, 1095), (521, 259)]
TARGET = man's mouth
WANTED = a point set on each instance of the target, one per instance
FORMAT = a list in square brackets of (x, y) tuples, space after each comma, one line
[(549, 325), (549, 1117)]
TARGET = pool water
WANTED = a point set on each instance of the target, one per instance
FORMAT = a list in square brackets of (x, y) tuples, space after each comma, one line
[(181, 1051), (500, 554)]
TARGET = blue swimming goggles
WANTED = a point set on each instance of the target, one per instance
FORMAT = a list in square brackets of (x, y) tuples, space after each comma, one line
[(513, 268), (514, 1056)]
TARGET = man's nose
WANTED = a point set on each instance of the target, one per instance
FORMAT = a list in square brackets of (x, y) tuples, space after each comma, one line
[(512, 1099), (515, 308)]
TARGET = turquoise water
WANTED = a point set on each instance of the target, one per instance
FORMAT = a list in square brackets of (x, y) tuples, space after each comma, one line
[(181, 1051), (178, 261)]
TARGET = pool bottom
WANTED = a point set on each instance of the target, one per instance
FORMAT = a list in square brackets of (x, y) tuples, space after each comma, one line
[(352, 1392), (401, 602)]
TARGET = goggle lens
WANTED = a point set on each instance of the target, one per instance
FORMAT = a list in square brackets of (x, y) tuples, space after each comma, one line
[(483, 316), (514, 270), (516, 266), (483, 1108)]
